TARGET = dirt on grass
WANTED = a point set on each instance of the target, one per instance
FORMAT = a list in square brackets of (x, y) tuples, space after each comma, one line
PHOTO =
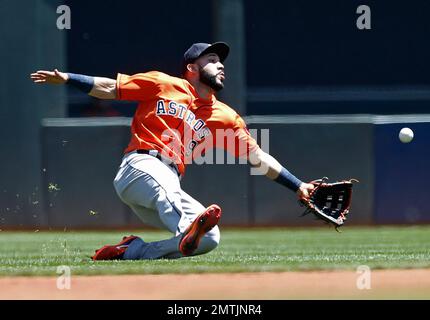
[(382, 284)]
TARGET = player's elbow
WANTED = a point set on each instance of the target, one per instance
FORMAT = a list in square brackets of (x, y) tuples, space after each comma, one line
[(104, 95), (104, 88), (255, 158)]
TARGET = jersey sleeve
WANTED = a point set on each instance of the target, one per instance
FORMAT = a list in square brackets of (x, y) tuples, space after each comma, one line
[(234, 136), (244, 142), (138, 87)]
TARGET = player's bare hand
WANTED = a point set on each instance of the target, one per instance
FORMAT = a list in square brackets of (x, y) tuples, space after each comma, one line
[(50, 77), (305, 190)]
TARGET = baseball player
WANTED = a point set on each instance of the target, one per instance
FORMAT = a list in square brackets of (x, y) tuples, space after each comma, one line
[(176, 120)]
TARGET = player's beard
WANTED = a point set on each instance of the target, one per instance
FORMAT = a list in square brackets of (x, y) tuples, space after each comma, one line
[(210, 80)]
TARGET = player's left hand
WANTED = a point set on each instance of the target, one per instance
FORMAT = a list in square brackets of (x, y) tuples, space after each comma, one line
[(304, 190), (329, 202)]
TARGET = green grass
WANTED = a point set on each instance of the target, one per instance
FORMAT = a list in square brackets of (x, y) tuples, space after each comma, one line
[(244, 250)]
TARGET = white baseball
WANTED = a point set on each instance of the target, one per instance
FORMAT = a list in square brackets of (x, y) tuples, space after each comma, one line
[(406, 135)]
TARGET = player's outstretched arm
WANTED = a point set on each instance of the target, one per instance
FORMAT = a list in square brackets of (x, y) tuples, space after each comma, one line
[(272, 169), (98, 87)]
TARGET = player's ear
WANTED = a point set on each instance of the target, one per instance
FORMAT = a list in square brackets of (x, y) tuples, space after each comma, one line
[(192, 67)]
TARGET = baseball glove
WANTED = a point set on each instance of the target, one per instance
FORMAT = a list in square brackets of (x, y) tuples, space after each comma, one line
[(329, 202)]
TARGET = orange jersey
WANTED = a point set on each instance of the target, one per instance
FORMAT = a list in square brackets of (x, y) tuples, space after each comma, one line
[(173, 120)]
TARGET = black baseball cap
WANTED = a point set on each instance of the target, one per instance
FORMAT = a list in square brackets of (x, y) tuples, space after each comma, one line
[(200, 49)]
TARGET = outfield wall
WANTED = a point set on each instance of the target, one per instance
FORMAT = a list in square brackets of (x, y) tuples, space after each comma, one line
[(80, 158), (402, 171), (30, 41), (313, 147)]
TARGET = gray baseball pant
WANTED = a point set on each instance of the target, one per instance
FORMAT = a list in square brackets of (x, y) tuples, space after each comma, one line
[(152, 190)]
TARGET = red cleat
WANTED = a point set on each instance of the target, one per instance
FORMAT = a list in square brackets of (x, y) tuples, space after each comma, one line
[(196, 230), (113, 252)]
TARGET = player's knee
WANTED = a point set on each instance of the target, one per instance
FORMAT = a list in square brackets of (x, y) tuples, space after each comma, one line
[(206, 245), (209, 242), (211, 239)]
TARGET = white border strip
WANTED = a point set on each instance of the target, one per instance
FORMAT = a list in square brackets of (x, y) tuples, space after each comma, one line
[(338, 93), (338, 118), (272, 119), (86, 122)]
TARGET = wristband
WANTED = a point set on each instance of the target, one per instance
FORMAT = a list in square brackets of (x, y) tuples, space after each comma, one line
[(80, 81), (288, 180)]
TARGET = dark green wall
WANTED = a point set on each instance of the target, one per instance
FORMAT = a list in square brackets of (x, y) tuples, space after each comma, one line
[(29, 40)]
